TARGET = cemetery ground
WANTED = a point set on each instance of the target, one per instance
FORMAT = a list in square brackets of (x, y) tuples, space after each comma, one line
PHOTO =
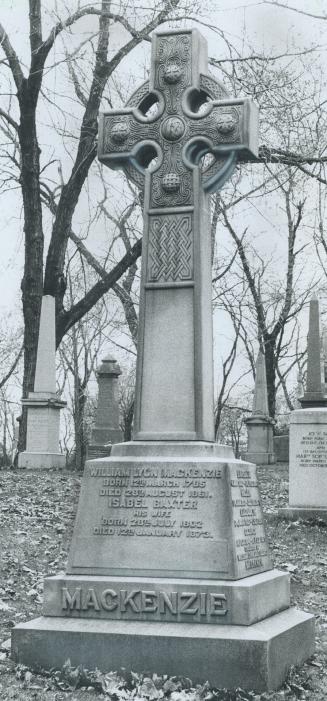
[(37, 514)]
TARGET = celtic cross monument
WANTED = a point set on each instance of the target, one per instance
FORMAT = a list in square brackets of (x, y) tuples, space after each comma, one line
[(191, 116), (169, 568)]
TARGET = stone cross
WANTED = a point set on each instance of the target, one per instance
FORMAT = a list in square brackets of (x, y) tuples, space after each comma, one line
[(160, 139)]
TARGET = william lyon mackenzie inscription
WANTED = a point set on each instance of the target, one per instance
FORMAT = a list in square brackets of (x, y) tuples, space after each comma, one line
[(150, 501)]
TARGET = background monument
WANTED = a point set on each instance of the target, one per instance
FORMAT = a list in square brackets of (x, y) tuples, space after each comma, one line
[(169, 569), (43, 405), (106, 430), (308, 436), (260, 449)]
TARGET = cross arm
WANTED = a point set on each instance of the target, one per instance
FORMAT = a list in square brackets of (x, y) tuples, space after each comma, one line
[(128, 140)]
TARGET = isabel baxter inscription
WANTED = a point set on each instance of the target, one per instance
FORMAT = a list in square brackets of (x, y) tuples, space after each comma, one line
[(154, 501)]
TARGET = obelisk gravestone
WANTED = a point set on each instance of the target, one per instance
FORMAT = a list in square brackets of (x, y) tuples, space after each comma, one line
[(260, 448), (43, 405), (169, 568)]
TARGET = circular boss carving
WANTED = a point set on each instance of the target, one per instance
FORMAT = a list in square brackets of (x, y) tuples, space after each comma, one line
[(226, 122), (119, 132), (171, 182), (172, 73), (173, 128)]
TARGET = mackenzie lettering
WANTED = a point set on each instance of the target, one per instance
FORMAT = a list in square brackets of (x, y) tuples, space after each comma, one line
[(137, 602)]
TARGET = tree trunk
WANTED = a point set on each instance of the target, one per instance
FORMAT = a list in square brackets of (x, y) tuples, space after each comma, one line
[(270, 351), (32, 282)]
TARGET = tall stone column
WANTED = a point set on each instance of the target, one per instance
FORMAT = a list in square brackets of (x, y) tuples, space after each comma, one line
[(43, 405), (106, 430), (260, 449), (314, 395)]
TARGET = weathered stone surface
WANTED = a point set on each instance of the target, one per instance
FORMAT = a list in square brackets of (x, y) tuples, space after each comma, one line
[(174, 395), (168, 516), (241, 602), (260, 448), (43, 405), (308, 458), (252, 657), (314, 395), (106, 429), (45, 372)]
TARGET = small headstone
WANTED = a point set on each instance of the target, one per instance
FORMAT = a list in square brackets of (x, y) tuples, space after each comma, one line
[(260, 449), (43, 405), (106, 430), (308, 437), (169, 568)]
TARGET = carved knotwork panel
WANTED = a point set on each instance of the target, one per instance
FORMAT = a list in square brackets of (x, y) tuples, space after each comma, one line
[(170, 251), (173, 69)]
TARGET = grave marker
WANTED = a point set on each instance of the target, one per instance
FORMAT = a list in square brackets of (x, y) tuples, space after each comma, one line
[(169, 529), (43, 405), (106, 430), (308, 436), (260, 449)]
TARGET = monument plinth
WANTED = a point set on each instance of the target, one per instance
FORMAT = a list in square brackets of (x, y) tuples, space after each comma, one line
[(260, 449), (43, 405), (169, 568), (308, 436), (106, 430)]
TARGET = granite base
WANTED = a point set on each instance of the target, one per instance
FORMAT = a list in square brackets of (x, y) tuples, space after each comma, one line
[(41, 461), (293, 513), (216, 602), (253, 657)]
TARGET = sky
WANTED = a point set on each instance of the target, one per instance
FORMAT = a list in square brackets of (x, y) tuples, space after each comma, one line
[(268, 28)]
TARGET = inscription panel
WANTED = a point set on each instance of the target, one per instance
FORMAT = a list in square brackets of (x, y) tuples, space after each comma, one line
[(148, 517), (251, 549), (308, 465), (312, 448)]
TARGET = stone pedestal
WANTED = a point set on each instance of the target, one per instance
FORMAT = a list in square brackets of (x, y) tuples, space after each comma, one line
[(43, 405), (106, 430), (260, 440), (169, 569), (308, 464)]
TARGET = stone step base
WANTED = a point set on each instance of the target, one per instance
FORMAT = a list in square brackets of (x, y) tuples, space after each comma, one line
[(310, 512), (254, 657), (41, 461), (218, 602)]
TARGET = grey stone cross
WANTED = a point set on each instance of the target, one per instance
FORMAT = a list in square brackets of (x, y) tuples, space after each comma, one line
[(159, 139)]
